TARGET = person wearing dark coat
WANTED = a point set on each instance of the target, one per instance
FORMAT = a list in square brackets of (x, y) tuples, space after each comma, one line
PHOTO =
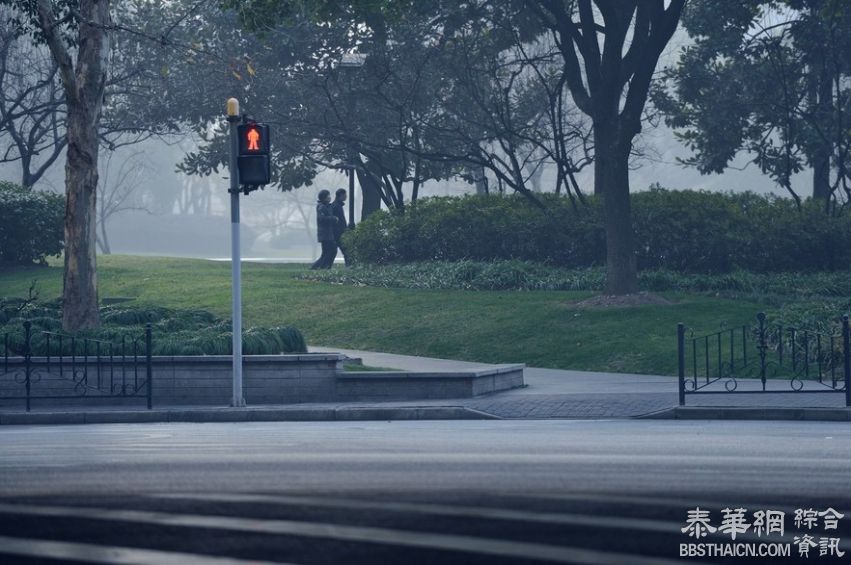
[(340, 227), (325, 227)]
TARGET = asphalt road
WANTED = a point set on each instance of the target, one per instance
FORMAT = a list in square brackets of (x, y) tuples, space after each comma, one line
[(410, 492)]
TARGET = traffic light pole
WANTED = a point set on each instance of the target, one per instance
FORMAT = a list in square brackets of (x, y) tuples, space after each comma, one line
[(236, 261)]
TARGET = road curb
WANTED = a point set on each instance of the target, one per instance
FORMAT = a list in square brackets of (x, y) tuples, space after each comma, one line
[(736, 413), (323, 414)]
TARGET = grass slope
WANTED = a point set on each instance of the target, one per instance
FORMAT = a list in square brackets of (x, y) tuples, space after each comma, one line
[(539, 328)]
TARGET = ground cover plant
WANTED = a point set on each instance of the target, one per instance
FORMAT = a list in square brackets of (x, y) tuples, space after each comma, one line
[(174, 331), (520, 275)]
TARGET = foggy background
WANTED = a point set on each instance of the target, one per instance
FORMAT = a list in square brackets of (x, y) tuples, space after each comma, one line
[(170, 213)]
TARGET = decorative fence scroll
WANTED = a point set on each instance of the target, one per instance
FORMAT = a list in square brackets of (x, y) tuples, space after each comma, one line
[(48, 365), (718, 363)]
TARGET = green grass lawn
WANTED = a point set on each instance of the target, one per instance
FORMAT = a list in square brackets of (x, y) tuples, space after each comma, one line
[(539, 328)]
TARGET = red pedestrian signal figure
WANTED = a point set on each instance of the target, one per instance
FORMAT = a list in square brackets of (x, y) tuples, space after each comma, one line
[(253, 160), (253, 139)]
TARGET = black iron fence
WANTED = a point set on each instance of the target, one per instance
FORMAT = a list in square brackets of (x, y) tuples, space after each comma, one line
[(50, 365), (772, 358)]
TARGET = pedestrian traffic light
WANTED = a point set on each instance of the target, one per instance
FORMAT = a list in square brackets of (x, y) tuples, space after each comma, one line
[(253, 139), (253, 161)]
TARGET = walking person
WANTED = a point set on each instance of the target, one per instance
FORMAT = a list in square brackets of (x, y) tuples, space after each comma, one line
[(325, 223), (339, 205)]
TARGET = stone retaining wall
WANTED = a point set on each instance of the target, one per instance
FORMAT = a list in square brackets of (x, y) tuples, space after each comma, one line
[(392, 385), (267, 379)]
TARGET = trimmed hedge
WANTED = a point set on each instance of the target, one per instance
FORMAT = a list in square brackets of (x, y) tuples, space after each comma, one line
[(685, 231), (480, 228), (32, 224)]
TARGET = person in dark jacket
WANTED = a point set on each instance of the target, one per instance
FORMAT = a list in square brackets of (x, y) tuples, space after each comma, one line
[(340, 227), (325, 227)]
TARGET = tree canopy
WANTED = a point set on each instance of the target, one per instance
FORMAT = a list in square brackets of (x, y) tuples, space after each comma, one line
[(769, 79)]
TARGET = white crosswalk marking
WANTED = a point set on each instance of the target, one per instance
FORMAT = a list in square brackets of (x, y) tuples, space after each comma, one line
[(358, 534), (73, 551)]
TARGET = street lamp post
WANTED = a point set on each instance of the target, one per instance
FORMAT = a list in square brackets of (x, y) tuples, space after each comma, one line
[(351, 61)]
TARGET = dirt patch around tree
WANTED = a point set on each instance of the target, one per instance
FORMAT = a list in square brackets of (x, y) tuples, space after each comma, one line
[(622, 301)]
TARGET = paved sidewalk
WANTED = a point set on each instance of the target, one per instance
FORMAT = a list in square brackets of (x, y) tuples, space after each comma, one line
[(554, 393), (550, 393)]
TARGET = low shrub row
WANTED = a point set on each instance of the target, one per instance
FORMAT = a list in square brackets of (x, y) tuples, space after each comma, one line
[(175, 332), (465, 275), (685, 231), (823, 315), (519, 275)]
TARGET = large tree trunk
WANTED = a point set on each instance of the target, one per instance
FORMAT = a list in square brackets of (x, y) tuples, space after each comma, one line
[(599, 175), (821, 175), (84, 84), (611, 179), (80, 293), (480, 179), (821, 158), (370, 200), (26, 178), (821, 103)]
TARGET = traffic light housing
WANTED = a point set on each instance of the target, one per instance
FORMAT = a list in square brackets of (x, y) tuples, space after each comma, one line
[(253, 160)]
